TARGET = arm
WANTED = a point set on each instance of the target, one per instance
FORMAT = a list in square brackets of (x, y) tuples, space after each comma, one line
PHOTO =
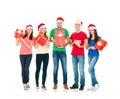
[(18, 42), (47, 44), (51, 40), (27, 45)]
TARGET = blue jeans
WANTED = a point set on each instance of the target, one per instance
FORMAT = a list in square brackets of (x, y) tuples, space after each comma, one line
[(75, 61), (60, 55), (92, 62), (25, 64)]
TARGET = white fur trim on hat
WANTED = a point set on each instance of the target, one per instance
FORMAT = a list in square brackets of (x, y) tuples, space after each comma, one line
[(59, 21), (43, 26), (91, 28), (29, 28), (78, 22)]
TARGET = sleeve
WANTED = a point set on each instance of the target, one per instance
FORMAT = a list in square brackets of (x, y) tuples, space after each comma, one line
[(51, 33), (66, 33), (85, 36)]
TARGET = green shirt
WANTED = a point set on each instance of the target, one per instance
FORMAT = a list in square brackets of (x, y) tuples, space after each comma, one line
[(52, 35)]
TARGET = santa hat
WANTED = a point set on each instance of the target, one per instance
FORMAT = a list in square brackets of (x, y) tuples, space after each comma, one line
[(79, 22), (59, 19), (42, 25), (29, 27), (91, 27)]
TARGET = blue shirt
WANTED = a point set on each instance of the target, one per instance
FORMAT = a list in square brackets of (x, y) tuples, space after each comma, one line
[(92, 52)]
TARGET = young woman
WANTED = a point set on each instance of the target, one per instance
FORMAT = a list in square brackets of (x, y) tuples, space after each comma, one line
[(42, 55), (93, 55), (26, 53)]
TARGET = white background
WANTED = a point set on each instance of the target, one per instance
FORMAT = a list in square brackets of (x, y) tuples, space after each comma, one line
[(18, 13)]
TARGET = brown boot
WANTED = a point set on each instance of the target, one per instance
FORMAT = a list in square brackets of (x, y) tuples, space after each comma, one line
[(55, 86), (66, 86)]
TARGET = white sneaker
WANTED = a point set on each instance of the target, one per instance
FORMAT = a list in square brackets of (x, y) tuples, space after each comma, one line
[(96, 86), (43, 87), (91, 88), (37, 87), (25, 86)]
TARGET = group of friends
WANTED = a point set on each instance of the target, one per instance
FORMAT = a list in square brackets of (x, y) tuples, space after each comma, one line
[(78, 42)]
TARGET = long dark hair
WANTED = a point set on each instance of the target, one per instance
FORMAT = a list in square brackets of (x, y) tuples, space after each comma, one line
[(96, 36), (31, 35)]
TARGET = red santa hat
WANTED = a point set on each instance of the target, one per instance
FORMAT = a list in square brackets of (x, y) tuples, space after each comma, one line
[(91, 27), (59, 19), (29, 27), (42, 25), (79, 22)]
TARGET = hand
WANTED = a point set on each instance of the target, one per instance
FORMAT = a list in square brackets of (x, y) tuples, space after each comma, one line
[(92, 47)]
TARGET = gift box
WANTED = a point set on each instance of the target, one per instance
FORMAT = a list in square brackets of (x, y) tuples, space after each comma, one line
[(40, 39), (100, 44), (59, 38), (18, 33)]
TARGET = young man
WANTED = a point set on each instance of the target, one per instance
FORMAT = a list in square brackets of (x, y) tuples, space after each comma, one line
[(78, 40), (60, 37)]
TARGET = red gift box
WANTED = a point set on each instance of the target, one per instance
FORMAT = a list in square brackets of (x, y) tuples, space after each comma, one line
[(59, 38), (100, 44), (18, 33), (41, 40)]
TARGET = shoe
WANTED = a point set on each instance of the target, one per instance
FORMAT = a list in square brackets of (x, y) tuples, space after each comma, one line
[(81, 87), (74, 86), (37, 86), (55, 86), (43, 87), (66, 86), (97, 86), (27, 85), (93, 87)]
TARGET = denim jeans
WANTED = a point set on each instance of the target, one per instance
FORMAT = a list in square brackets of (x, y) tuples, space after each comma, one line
[(60, 55), (25, 64), (92, 62), (75, 61), (39, 59)]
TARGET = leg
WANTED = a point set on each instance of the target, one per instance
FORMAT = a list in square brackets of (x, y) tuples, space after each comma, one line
[(63, 59), (22, 60), (56, 66), (75, 69), (38, 67), (81, 69), (27, 65), (45, 65), (92, 63)]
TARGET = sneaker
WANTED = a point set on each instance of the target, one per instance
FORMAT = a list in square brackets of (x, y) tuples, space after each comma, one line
[(43, 87), (37, 86), (81, 87), (66, 86), (27, 85), (91, 88), (97, 86), (74, 86), (55, 86)]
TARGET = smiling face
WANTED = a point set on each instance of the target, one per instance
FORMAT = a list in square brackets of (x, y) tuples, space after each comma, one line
[(59, 24), (43, 30), (29, 31), (92, 31), (77, 26)]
